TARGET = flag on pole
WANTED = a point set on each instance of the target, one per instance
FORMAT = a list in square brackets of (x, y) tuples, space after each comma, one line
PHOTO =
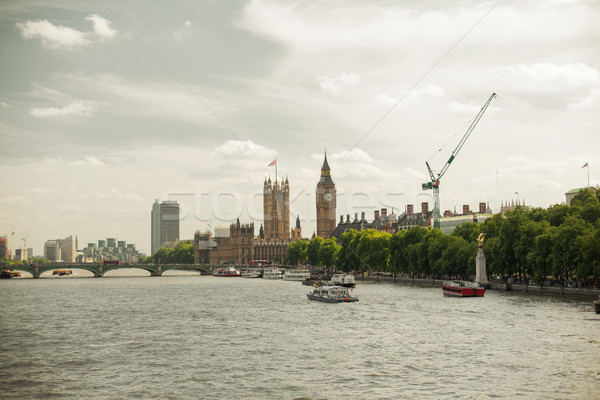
[(585, 165), (273, 163)]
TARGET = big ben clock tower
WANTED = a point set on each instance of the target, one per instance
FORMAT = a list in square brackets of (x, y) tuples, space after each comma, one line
[(326, 200)]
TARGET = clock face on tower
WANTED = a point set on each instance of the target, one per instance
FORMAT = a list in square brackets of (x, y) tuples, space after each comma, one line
[(328, 197)]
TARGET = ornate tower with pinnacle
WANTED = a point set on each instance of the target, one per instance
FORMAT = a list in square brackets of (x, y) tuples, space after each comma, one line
[(326, 202), (276, 203)]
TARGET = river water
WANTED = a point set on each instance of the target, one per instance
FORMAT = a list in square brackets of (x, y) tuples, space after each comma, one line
[(201, 337)]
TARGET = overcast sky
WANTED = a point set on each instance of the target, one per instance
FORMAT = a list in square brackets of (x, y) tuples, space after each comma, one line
[(106, 106)]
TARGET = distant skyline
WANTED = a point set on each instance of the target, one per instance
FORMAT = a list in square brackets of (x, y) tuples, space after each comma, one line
[(106, 106)]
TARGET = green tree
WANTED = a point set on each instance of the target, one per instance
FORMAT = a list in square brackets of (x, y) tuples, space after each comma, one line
[(565, 250), (312, 252), (183, 253), (374, 249), (327, 252), (347, 258), (469, 231), (296, 252)]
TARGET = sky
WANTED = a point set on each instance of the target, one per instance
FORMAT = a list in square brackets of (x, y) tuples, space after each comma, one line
[(106, 106)]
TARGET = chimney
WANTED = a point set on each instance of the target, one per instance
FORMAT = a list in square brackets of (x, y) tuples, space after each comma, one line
[(424, 207), (376, 214), (466, 209), (482, 208), (409, 209), (447, 213), (384, 212)]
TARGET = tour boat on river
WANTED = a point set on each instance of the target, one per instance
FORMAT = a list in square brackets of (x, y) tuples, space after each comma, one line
[(462, 289), (272, 273), (333, 294), (229, 272), (346, 280), (296, 274)]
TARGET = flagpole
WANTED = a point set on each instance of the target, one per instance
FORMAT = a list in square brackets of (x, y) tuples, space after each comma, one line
[(588, 167), (275, 169)]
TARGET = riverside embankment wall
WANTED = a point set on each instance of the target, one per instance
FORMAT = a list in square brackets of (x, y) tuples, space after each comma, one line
[(533, 289)]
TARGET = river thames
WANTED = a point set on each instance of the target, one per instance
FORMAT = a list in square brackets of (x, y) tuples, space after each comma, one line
[(201, 337)]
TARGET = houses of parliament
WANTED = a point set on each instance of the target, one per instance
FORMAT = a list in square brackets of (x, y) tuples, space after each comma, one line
[(240, 246)]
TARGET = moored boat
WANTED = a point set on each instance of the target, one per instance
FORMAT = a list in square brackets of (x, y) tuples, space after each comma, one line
[(227, 272), (62, 272), (333, 294), (272, 273), (251, 274), (462, 289), (346, 280), (5, 274), (296, 274)]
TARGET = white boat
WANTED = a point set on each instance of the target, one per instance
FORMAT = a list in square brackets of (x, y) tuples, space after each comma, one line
[(272, 273), (251, 274), (333, 294), (229, 272), (346, 280), (296, 274)]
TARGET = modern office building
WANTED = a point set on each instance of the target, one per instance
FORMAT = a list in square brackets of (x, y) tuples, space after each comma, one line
[(164, 224), (3, 247), (124, 252), (52, 250)]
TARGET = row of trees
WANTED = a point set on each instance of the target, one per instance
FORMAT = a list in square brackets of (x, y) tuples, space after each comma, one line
[(183, 253), (561, 241)]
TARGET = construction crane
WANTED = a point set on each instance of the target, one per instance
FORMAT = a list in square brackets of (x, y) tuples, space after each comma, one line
[(435, 180)]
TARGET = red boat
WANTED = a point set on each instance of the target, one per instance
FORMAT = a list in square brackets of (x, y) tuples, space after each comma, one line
[(462, 289)]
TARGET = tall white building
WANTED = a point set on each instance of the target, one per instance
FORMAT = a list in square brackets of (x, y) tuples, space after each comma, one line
[(68, 249), (164, 224)]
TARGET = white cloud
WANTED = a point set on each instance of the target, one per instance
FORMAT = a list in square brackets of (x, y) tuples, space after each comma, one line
[(185, 30), (62, 37), (242, 148), (338, 83), (102, 27), (18, 199), (587, 101), (75, 108), (53, 36), (114, 194), (568, 75), (88, 160)]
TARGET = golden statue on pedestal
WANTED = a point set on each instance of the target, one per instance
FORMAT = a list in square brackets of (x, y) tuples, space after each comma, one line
[(480, 239)]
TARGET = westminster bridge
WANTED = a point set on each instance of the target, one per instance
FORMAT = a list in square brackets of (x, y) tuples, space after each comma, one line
[(99, 269)]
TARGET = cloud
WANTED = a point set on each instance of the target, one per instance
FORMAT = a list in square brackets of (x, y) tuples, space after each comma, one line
[(185, 30), (53, 36), (114, 194), (246, 149), (568, 76), (75, 108), (88, 160), (62, 37), (18, 199), (102, 27), (336, 84)]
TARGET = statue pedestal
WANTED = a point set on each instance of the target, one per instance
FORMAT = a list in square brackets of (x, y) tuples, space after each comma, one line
[(480, 269)]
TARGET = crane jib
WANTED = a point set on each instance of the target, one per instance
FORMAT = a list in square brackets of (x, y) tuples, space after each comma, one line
[(435, 181)]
